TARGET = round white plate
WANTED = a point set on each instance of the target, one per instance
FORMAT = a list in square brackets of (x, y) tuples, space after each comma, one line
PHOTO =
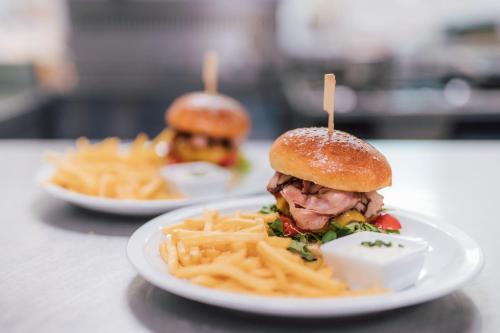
[(251, 183), (453, 259)]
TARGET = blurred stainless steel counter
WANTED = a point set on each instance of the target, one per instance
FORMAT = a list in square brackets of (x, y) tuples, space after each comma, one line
[(64, 269)]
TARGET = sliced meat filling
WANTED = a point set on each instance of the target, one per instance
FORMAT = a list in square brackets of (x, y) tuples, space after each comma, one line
[(375, 204), (201, 141), (326, 201), (275, 184), (307, 219), (312, 205), (190, 147)]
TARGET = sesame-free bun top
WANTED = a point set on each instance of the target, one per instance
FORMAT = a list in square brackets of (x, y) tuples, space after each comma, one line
[(215, 115), (340, 161)]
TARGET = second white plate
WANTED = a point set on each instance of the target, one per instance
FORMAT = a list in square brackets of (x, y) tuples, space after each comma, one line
[(453, 259), (251, 183)]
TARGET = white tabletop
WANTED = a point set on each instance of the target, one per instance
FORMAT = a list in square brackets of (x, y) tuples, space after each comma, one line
[(64, 269)]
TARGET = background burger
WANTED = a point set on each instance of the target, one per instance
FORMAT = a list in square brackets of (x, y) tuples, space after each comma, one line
[(326, 185), (207, 127)]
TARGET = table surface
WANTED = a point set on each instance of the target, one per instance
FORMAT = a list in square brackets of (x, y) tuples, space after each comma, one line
[(65, 269)]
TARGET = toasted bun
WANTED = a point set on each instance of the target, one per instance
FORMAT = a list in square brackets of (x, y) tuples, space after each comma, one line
[(341, 161), (217, 116)]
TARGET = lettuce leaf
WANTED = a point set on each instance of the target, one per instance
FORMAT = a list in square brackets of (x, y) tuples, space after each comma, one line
[(268, 209), (275, 228), (328, 236), (242, 166), (301, 248)]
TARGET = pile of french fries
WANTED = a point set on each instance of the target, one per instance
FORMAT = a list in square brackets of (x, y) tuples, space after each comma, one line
[(107, 169), (235, 253)]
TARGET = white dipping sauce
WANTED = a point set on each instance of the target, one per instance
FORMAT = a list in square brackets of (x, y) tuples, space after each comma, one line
[(392, 267), (380, 254), (198, 179)]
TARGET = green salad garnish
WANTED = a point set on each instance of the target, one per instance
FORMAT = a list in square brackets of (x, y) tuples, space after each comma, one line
[(301, 240), (242, 165)]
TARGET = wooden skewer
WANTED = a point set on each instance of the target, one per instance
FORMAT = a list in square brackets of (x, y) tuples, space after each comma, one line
[(329, 100), (210, 72)]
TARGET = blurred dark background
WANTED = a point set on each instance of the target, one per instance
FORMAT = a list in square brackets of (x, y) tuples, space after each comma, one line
[(405, 69)]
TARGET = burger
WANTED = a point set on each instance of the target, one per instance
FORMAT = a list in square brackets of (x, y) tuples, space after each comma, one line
[(208, 127), (326, 186)]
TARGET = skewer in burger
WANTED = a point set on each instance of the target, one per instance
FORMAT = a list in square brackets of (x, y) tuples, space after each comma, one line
[(207, 126)]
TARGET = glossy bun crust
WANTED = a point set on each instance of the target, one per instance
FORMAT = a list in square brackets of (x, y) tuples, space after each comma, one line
[(341, 161), (216, 115)]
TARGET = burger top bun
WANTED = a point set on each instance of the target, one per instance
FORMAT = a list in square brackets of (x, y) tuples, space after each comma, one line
[(214, 115), (340, 161)]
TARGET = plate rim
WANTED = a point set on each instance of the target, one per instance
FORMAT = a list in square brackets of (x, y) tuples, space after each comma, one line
[(123, 206), (294, 307)]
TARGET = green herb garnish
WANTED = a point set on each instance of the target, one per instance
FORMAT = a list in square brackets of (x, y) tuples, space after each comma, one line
[(301, 248), (268, 209), (242, 165), (275, 228), (328, 236), (352, 228), (376, 243), (356, 226), (379, 243)]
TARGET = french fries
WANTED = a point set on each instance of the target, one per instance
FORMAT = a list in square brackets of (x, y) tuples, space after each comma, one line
[(234, 253), (105, 170)]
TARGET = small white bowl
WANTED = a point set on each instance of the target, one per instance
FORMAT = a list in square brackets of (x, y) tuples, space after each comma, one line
[(198, 179), (393, 267)]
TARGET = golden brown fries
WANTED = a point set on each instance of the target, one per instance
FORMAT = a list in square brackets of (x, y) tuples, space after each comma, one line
[(235, 253), (106, 169)]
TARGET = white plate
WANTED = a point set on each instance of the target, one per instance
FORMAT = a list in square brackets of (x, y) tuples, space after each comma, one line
[(453, 259), (251, 183)]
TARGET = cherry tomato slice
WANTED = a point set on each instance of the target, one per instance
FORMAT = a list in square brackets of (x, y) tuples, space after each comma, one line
[(289, 227), (229, 160), (387, 222), (171, 159)]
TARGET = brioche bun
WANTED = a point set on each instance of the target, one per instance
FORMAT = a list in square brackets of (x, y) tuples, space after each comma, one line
[(340, 161), (214, 115)]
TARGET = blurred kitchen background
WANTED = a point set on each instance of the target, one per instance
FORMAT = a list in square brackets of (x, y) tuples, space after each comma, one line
[(405, 68)]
